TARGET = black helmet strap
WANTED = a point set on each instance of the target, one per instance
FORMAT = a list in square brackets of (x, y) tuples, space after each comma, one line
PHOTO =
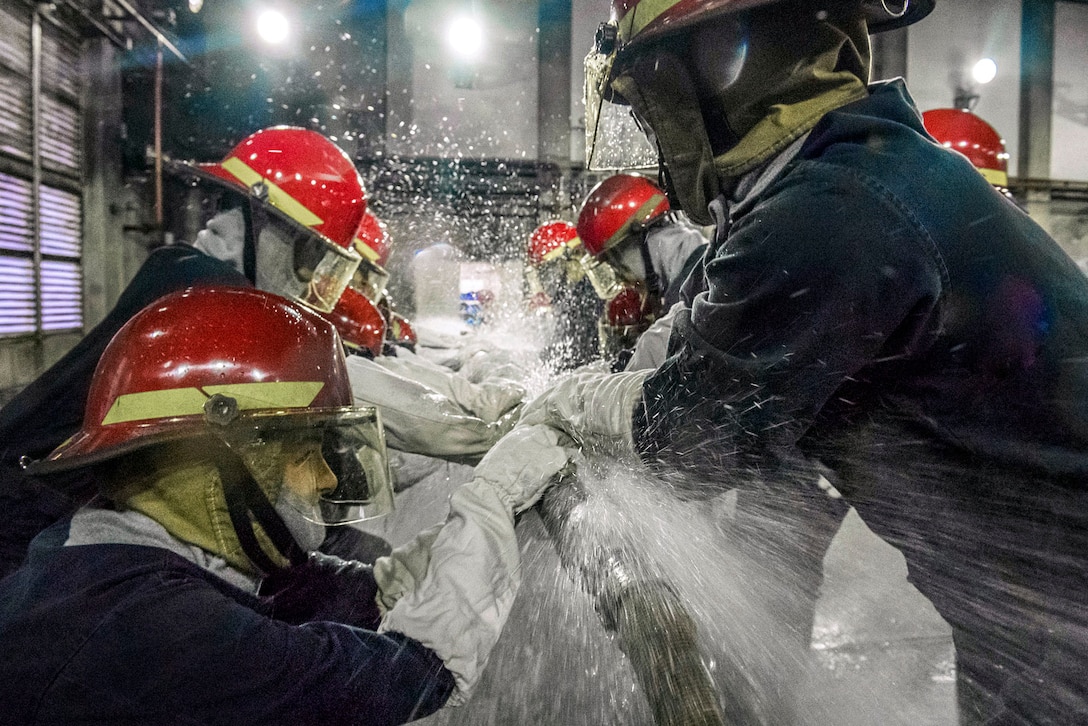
[(247, 506)]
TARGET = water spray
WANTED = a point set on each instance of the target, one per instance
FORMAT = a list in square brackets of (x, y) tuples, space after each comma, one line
[(651, 623)]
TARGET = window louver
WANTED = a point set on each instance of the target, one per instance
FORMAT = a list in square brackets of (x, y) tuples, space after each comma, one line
[(41, 276)]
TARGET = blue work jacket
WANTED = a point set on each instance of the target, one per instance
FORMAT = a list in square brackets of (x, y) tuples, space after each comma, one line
[(881, 315), (120, 633)]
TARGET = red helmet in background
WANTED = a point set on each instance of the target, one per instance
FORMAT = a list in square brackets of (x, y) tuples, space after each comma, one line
[(963, 131), (302, 175), (626, 316), (372, 239), (611, 224), (158, 373), (618, 207), (551, 241), (400, 330), (372, 243), (359, 322), (312, 195)]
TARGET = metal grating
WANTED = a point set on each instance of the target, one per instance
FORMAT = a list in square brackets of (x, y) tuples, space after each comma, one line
[(15, 119), (15, 39), (60, 136), (16, 214), (62, 295), (60, 62), (60, 223), (17, 304)]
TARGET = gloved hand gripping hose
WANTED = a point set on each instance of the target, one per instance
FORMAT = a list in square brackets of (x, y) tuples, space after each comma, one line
[(653, 627)]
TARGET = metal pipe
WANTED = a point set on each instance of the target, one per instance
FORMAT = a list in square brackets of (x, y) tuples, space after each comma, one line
[(150, 27), (36, 160), (96, 23), (158, 136), (651, 623)]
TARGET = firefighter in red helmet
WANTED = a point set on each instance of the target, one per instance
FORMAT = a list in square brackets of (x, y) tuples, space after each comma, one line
[(964, 132), (868, 300), (221, 432), (559, 289), (284, 205)]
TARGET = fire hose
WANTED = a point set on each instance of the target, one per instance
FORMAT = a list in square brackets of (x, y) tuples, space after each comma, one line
[(651, 623)]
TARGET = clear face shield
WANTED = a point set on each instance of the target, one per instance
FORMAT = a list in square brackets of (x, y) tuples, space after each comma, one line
[(331, 465), (614, 138), (326, 269), (606, 283), (615, 268), (371, 280)]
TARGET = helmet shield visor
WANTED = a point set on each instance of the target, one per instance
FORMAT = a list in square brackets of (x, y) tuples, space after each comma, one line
[(327, 269), (371, 280), (333, 462), (614, 138), (606, 283)]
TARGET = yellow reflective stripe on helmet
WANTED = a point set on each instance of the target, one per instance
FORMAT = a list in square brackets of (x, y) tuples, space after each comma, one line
[(554, 254), (638, 17), (190, 401), (155, 404), (365, 250), (283, 201), (640, 216), (996, 177), (274, 394)]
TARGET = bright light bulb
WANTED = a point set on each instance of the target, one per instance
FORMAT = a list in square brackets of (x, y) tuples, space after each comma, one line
[(466, 37), (195, 5), (272, 26), (984, 71)]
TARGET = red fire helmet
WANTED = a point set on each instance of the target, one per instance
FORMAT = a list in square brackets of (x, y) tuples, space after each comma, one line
[(552, 240), (372, 239), (262, 351), (400, 330), (300, 174), (626, 308), (963, 131), (639, 21), (359, 322), (616, 208)]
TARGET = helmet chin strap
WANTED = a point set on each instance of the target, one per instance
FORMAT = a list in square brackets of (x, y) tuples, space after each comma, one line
[(653, 280), (255, 220), (248, 506)]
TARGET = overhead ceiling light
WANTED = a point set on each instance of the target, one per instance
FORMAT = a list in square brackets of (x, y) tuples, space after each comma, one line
[(272, 26), (984, 71), (466, 37), (195, 5)]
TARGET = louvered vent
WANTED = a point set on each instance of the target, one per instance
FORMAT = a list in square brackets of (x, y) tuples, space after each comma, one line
[(41, 277)]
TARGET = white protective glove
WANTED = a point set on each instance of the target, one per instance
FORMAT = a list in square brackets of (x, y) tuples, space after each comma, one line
[(652, 347), (452, 589), (419, 419), (592, 408), (487, 400)]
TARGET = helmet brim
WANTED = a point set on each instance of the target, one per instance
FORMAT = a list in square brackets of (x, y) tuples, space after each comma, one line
[(881, 21), (208, 174), (105, 443), (879, 17)]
